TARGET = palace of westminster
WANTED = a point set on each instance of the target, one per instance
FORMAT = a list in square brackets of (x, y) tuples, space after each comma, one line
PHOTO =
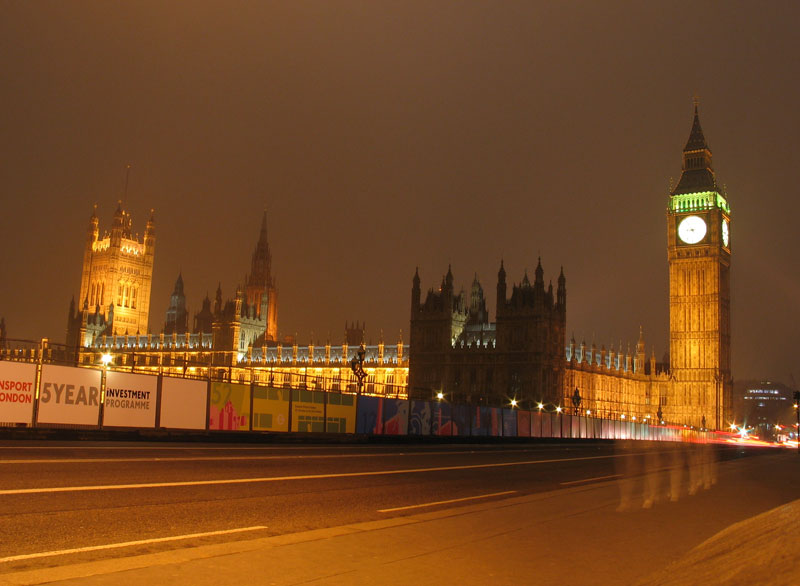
[(454, 350)]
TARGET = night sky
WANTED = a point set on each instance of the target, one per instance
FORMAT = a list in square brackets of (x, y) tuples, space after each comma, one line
[(382, 136)]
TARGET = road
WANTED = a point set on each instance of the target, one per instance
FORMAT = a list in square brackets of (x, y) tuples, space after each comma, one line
[(58, 498)]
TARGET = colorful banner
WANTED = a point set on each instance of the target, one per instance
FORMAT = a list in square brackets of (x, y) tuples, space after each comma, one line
[(442, 424), (183, 403), (369, 418), (460, 417), (16, 392), (69, 395), (308, 411), (486, 421), (270, 409), (509, 423), (130, 400), (395, 416), (341, 413), (419, 422), (229, 407), (524, 423)]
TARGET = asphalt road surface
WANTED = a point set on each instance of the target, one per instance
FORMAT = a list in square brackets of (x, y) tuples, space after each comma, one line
[(63, 503)]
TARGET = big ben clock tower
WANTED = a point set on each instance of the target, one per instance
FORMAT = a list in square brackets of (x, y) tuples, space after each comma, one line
[(699, 253)]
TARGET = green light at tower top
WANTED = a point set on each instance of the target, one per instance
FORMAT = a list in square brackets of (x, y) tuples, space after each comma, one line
[(702, 200)]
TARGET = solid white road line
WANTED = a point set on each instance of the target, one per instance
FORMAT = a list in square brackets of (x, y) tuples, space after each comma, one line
[(590, 479), (28, 556), (301, 477), (447, 502), (244, 458)]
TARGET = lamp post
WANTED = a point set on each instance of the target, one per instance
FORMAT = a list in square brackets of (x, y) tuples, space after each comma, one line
[(797, 413), (357, 365), (576, 401)]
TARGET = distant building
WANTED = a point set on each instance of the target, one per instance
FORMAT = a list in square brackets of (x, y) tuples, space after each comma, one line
[(456, 351), (762, 403), (454, 348)]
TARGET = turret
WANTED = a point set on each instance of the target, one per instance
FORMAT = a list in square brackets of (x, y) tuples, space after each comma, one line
[(448, 281), (538, 281), (561, 294), (477, 303), (400, 348), (415, 293), (150, 234), (94, 229), (239, 302), (218, 300), (177, 319), (117, 226), (640, 354)]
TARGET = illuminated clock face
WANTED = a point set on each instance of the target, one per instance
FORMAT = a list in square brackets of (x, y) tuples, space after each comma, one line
[(692, 229), (725, 233)]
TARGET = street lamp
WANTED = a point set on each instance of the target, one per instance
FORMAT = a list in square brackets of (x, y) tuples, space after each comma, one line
[(513, 402), (576, 401), (357, 364), (106, 359), (797, 413)]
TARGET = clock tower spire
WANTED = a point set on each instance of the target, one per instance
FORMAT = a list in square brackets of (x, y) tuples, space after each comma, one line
[(699, 255)]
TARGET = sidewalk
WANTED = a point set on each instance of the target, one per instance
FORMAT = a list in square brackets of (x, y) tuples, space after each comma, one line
[(570, 536)]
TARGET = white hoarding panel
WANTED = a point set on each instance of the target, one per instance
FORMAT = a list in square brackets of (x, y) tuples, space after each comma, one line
[(183, 403), (130, 400), (69, 395), (16, 391)]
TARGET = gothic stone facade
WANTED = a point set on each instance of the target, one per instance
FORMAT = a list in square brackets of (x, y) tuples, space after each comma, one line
[(116, 279), (456, 351)]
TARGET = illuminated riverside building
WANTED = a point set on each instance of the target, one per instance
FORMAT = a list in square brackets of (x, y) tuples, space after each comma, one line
[(454, 349), (314, 367), (233, 339), (523, 356)]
